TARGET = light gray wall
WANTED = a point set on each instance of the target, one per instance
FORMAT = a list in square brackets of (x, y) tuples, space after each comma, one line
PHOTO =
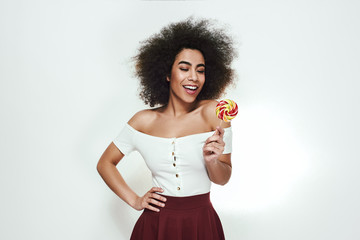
[(66, 90)]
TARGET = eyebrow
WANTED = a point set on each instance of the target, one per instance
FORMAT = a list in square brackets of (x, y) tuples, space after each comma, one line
[(187, 63)]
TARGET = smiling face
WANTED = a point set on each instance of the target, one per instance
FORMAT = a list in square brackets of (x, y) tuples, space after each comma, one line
[(187, 75)]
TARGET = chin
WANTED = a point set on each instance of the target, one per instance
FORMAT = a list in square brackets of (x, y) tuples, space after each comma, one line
[(190, 100)]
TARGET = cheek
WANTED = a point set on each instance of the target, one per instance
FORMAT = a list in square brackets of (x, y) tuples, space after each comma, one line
[(177, 76), (202, 79)]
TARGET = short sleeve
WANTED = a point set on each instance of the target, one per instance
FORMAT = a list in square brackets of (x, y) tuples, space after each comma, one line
[(125, 140), (228, 140)]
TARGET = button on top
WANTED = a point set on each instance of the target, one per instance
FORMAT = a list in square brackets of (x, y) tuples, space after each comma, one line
[(172, 153)]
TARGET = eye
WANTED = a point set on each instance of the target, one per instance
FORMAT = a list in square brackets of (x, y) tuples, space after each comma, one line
[(201, 70), (184, 69)]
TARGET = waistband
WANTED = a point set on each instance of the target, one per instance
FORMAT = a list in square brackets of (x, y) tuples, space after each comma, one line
[(182, 203)]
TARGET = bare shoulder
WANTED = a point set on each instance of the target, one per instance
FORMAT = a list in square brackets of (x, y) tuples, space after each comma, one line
[(208, 111), (143, 119)]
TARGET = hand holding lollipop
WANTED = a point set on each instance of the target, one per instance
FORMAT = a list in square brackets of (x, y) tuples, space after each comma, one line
[(213, 148)]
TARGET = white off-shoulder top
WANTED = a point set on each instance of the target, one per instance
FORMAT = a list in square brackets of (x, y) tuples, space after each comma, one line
[(177, 164)]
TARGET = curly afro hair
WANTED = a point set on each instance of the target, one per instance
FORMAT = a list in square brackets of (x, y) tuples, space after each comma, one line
[(157, 54)]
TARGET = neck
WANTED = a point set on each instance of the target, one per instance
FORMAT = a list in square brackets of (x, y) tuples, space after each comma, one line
[(177, 107)]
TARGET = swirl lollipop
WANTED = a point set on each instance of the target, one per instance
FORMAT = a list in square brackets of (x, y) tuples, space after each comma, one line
[(226, 110)]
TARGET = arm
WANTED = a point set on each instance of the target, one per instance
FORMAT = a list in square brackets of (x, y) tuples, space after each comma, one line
[(109, 173), (218, 165), (112, 177)]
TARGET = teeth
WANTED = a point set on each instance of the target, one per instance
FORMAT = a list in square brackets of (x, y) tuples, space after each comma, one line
[(191, 87)]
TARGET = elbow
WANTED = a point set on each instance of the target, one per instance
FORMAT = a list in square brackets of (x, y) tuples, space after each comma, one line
[(223, 179), (99, 167), (222, 183), (103, 166)]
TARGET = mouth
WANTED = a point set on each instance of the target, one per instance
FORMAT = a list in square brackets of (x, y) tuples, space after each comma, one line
[(190, 89)]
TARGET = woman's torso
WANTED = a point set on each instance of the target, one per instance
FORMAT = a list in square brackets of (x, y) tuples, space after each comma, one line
[(172, 148)]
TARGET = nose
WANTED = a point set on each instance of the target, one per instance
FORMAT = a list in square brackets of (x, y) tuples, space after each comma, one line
[(193, 75)]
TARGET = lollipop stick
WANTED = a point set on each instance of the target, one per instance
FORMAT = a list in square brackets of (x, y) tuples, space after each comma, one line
[(220, 122)]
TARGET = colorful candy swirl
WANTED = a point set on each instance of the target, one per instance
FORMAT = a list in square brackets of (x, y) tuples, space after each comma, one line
[(226, 110)]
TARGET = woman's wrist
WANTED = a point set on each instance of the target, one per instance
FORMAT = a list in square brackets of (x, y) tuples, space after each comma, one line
[(133, 202)]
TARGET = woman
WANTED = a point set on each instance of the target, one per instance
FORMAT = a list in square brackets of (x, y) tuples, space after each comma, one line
[(183, 69)]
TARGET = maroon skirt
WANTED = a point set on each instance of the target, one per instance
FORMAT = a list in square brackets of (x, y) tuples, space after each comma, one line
[(182, 218)]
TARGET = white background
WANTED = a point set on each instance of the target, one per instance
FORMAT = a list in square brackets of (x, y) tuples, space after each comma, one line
[(67, 88)]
